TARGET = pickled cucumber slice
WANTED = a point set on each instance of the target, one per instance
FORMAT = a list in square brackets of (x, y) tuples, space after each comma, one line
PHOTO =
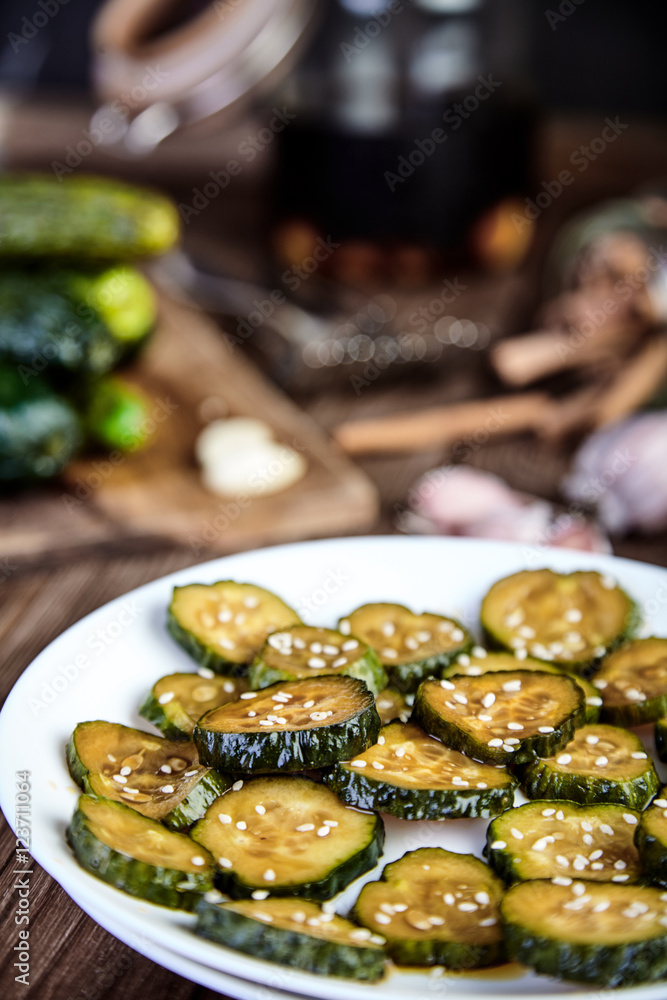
[(501, 717), (159, 778), (290, 726), (565, 840), (177, 701), (599, 764), (570, 619), (287, 836), (137, 855), (435, 907), (605, 934), (633, 683), (409, 646), (222, 625), (295, 933), (303, 651), (413, 776)]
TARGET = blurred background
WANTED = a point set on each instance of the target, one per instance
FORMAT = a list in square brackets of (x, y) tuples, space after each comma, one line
[(431, 231)]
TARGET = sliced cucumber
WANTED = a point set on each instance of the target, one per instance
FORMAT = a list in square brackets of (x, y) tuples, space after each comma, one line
[(633, 683), (565, 840), (159, 778), (222, 625), (391, 705), (290, 726), (137, 855), (479, 661), (295, 933), (609, 935), (651, 838), (303, 651), (600, 763), (288, 837), (435, 907), (410, 647), (413, 776), (660, 738), (569, 619), (177, 701), (501, 717)]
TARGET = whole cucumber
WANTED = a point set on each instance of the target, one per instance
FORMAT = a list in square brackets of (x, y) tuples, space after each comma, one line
[(83, 218)]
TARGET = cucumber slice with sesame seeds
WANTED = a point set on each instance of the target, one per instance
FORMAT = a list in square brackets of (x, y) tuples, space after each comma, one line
[(651, 838), (161, 779), (413, 776), (296, 933), (479, 661), (599, 764), (137, 855), (435, 907), (409, 646), (391, 705), (222, 625), (501, 717), (600, 933), (293, 726), (571, 619), (564, 840), (287, 836), (303, 651), (632, 683), (177, 701)]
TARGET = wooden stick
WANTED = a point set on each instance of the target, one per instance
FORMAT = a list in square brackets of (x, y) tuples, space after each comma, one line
[(442, 425)]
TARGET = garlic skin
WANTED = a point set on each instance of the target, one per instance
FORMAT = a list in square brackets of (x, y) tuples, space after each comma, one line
[(239, 457), (622, 472)]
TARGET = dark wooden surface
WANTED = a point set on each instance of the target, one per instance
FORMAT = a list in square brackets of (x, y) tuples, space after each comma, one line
[(73, 958)]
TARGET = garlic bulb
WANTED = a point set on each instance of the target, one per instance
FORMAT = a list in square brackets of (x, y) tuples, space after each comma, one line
[(239, 456)]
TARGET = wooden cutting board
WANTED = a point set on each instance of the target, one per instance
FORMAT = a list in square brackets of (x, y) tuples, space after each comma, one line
[(193, 374)]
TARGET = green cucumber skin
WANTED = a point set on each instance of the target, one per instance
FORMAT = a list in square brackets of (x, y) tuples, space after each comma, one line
[(415, 803), (408, 676), (363, 861), (540, 745), (636, 714), (451, 954), (661, 739), (288, 750), (150, 882), (202, 654), (367, 669), (601, 965), (539, 782), (210, 787), (299, 951), (77, 771), (152, 711), (653, 854)]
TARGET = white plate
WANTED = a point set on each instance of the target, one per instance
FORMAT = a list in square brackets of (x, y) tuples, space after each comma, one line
[(104, 665)]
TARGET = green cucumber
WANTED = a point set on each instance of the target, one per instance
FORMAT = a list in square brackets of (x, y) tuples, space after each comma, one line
[(599, 933), (632, 683), (501, 717), (116, 414), (303, 651), (159, 778), (435, 907), (83, 217), (565, 840), (295, 933), (479, 661), (39, 431), (222, 625), (410, 647), (412, 776), (293, 726), (137, 855), (177, 701), (600, 764), (651, 838), (660, 731), (570, 619), (287, 836)]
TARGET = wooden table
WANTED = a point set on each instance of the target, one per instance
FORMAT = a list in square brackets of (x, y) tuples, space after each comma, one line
[(72, 957)]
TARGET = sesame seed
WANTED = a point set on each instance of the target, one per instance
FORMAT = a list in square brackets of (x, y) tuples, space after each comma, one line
[(512, 686), (316, 662), (521, 654), (460, 698), (517, 643), (482, 898), (573, 615), (607, 582), (449, 897), (358, 763), (308, 704), (637, 755), (260, 894), (482, 784), (344, 626), (378, 766), (457, 635), (323, 831), (381, 741), (361, 934), (540, 845), (516, 833), (260, 810), (498, 845), (376, 939), (264, 722), (468, 907), (389, 654), (252, 715), (248, 694), (561, 880), (198, 860), (629, 818), (269, 875), (305, 827), (447, 685), (620, 878), (388, 629), (601, 761), (564, 758), (587, 839), (165, 698), (562, 861), (349, 645), (120, 779), (579, 863), (167, 789), (594, 855), (488, 922), (620, 865), (585, 825), (399, 752), (495, 742), (225, 643), (463, 660), (125, 770), (634, 695), (548, 812), (600, 683), (485, 718), (130, 791), (488, 699), (241, 825), (207, 674), (597, 866), (316, 647), (224, 862), (318, 716), (228, 687), (330, 650), (165, 769), (224, 818), (382, 918), (514, 725), (479, 652), (514, 619), (605, 828), (545, 729), (298, 643), (460, 781), (526, 632), (560, 815)]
